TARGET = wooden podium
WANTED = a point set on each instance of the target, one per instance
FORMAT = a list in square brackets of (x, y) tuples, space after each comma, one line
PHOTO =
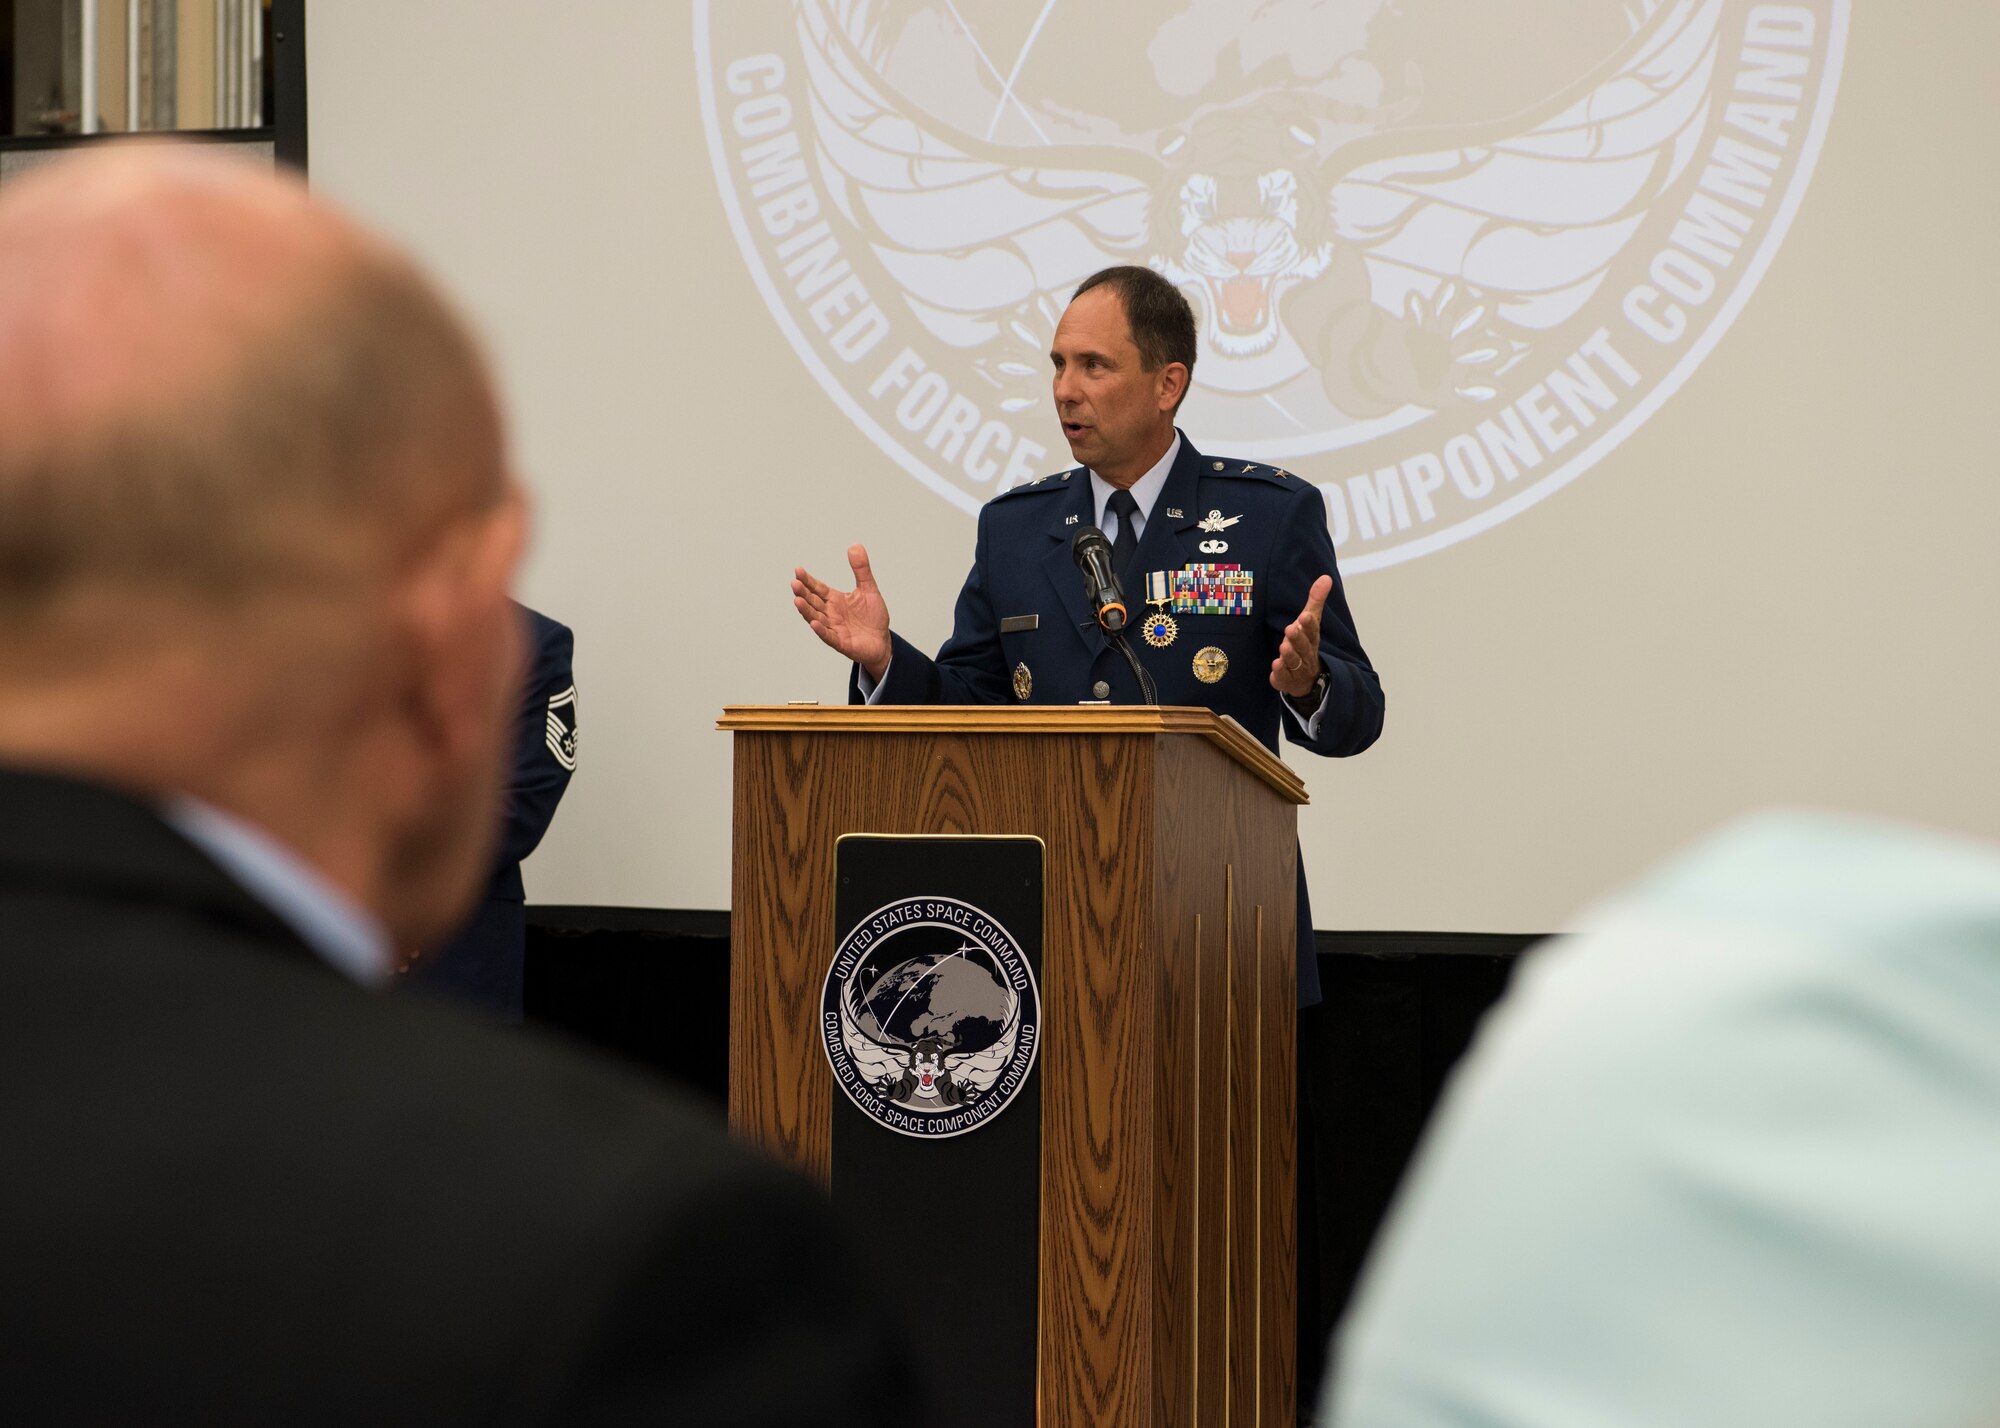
[(1165, 1289)]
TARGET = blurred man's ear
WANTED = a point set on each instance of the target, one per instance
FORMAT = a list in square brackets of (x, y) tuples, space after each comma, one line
[(464, 629)]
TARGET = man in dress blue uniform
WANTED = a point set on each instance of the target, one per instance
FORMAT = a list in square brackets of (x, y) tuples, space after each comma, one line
[(1232, 557), (1245, 613), (483, 964)]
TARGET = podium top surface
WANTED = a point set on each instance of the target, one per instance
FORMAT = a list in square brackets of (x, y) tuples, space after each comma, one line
[(1218, 729)]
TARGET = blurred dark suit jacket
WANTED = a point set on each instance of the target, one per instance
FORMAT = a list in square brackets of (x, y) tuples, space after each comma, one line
[(236, 1188)]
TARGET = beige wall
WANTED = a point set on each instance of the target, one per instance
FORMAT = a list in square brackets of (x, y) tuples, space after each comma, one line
[(111, 30), (196, 58), (1780, 588)]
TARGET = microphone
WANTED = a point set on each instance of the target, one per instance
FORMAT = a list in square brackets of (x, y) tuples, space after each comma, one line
[(1092, 553)]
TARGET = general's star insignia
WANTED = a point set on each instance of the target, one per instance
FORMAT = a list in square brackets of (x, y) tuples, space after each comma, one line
[(1213, 522)]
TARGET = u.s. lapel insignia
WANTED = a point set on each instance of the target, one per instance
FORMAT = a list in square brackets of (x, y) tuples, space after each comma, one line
[(1210, 664), (1069, 520), (1024, 682), (1215, 547), (1173, 513), (1214, 521)]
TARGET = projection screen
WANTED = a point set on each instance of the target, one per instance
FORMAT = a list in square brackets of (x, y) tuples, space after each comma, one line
[(1635, 348)]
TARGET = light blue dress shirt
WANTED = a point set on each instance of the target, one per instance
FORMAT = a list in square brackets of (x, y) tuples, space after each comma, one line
[(1728, 1157), (1145, 494), (324, 917)]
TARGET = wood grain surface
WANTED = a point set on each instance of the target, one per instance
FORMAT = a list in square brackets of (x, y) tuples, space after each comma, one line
[(1166, 1069), (1220, 730), (1226, 856)]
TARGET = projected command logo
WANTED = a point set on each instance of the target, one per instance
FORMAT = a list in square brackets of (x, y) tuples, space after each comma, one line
[(1444, 258), (930, 1017)]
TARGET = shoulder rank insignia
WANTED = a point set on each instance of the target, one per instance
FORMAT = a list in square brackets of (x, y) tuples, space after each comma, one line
[(1252, 470), (1031, 486)]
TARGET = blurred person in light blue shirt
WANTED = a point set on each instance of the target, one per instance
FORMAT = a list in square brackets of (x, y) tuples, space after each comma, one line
[(1728, 1157)]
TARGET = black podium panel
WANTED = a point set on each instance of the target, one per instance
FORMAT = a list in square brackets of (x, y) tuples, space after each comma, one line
[(931, 1019)]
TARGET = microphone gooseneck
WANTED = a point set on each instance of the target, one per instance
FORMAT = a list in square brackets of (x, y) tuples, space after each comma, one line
[(1148, 691), (1092, 553)]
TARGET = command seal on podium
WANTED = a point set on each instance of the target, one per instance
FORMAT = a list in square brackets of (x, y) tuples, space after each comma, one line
[(931, 1017)]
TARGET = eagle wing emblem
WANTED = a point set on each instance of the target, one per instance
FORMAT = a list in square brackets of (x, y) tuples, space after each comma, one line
[(978, 1070), (1366, 257), (1512, 235), (877, 1063), (983, 239)]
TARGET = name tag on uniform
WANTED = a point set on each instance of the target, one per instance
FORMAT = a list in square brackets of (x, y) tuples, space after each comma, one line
[(1014, 624)]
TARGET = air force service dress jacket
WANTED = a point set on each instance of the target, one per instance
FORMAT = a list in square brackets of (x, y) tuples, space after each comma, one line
[(1023, 632)]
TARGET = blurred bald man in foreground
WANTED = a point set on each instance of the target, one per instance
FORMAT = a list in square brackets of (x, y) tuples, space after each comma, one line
[(257, 670)]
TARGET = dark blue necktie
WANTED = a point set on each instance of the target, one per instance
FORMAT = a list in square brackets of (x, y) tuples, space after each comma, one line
[(1126, 541)]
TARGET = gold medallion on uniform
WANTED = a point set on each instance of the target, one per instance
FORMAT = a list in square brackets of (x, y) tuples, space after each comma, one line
[(1024, 683), (1210, 664)]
